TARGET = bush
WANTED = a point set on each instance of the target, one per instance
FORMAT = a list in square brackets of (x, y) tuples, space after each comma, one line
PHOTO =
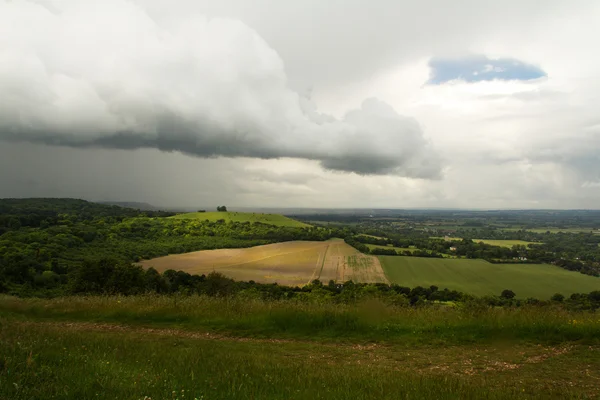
[(559, 298)]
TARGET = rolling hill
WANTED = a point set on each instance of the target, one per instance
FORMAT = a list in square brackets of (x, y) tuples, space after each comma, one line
[(270, 219)]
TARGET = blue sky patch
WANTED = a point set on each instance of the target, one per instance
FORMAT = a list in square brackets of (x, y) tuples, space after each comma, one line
[(481, 68)]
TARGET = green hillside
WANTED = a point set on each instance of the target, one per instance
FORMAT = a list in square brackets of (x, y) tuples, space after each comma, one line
[(271, 219), (479, 277)]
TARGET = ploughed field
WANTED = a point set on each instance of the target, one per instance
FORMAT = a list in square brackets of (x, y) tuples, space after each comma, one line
[(479, 277), (288, 263)]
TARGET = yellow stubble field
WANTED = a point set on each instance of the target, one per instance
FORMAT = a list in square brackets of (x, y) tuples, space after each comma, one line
[(290, 263)]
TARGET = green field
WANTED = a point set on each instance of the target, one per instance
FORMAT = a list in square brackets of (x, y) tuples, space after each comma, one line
[(370, 236), (270, 219), (402, 249), (376, 246), (504, 243), (479, 277)]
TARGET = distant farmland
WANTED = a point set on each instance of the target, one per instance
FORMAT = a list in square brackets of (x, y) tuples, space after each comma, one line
[(479, 277), (288, 263), (270, 219), (556, 230)]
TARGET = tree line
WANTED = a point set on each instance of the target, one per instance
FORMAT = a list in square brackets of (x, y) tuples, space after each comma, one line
[(110, 277)]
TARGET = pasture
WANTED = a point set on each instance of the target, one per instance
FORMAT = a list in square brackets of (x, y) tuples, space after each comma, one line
[(401, 250), (479, 277), (504, 243), (289, 263), (234, 216)]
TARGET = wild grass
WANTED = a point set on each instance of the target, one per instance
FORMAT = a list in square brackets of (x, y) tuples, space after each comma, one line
[(193, 347), (371, 320), (44, 363)]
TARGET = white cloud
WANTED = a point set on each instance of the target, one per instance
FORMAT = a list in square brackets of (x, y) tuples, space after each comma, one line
[(501, 144), (106, 74)]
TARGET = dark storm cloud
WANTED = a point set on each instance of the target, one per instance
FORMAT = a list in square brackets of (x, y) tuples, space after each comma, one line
[(107, 75)]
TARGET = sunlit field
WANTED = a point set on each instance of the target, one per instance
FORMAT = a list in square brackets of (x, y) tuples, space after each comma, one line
[(288, 263), (480, 277)]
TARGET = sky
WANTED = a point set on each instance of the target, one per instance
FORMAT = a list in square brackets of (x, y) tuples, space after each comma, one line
[(302, 103)]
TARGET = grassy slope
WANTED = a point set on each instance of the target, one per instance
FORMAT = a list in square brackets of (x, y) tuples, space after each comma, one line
[(169, 348), (271, 219), (377, 246), (479, 277)]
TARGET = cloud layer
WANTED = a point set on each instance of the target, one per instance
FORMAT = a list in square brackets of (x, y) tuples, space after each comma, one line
[(105, 74)]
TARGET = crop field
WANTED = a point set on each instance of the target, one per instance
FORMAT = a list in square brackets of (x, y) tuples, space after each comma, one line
[(270, 219), (288, 263), (479, 277), (362, 268)]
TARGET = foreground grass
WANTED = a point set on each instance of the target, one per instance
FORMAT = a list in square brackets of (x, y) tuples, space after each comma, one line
[(41, 362), (481, 278), (368, 321), (198, 347)]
